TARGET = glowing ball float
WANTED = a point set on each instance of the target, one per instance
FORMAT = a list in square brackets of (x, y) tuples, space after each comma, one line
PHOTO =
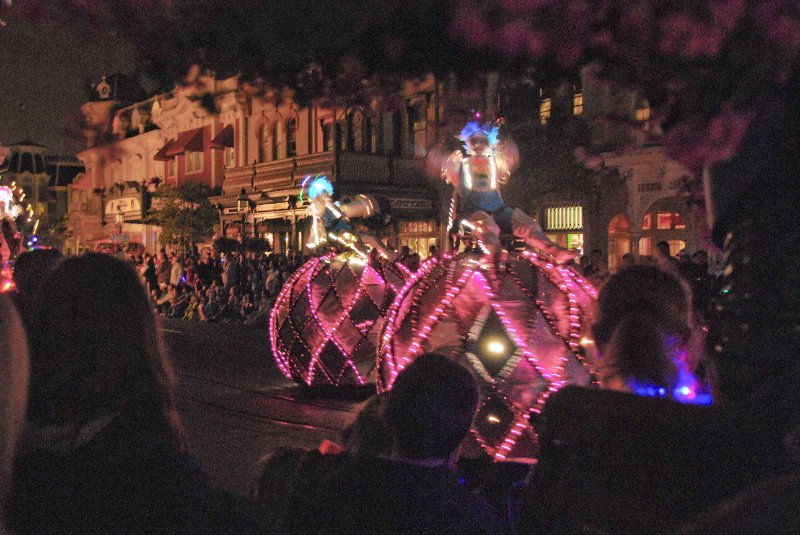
[(327, 319), (516, 321)]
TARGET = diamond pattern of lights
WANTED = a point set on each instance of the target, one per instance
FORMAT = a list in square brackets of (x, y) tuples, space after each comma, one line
[(515, 320), (491, 351), (326, 321)]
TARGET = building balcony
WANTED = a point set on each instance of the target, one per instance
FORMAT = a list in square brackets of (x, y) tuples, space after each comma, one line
[(279, 174), (346, 168)]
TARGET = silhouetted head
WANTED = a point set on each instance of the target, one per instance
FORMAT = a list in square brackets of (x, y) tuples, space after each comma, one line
[(643, 318), (30, 271), (96, 349), (431, 407)]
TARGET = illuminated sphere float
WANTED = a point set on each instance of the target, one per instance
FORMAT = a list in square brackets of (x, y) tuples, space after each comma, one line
[(327, 319), (515, 319)]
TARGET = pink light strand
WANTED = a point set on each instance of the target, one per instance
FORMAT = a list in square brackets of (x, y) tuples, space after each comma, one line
[(329, 335)]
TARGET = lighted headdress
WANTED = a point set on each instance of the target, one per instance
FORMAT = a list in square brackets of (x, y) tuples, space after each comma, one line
[(317, 185), (474, 128)]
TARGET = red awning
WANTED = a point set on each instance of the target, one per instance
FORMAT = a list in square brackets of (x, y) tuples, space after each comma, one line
[(191, 140), (161, 155), (224, 138)]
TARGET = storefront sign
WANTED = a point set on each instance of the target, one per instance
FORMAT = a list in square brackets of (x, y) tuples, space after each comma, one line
[(411, 204), (125, 205)]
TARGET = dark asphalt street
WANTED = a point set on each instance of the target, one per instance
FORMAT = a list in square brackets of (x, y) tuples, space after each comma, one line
[(237, 406)]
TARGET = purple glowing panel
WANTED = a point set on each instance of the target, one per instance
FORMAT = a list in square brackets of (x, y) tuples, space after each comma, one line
[(325, 324), (514, 321)]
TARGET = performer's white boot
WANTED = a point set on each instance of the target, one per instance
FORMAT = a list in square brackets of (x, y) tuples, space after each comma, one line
[(529, 230)]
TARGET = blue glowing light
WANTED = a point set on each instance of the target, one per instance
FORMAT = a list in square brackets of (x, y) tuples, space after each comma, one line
[(319, 185), (687, 388), (474, 128)]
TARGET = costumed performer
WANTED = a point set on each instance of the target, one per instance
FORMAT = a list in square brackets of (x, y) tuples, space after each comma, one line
[(331, 220), (476, 177)]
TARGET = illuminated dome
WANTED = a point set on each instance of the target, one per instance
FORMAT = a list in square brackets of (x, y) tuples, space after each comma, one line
[(325, 325), (516, 323)]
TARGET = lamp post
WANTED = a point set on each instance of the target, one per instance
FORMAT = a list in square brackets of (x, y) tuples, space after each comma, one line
[(119, 219), (243, 207)]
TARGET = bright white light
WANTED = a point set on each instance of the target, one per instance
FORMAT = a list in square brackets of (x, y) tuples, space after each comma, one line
[(496, 347), (493, 419)]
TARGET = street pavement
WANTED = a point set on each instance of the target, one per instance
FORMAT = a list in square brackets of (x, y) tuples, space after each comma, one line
[(237, 406)]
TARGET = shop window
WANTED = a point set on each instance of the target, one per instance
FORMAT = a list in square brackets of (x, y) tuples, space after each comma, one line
[(645, 246), (676, 246), (564, 218), (669, 221), (545, 111), (194, 162), (664, 220), (647, 222), (416, 227)]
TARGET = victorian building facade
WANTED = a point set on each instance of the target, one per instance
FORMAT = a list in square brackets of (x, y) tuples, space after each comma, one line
[(632, 199), (258, 150), (277, 144)]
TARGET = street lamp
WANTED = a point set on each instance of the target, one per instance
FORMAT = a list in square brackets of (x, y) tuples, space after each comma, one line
[(243, 207), (119, 219)]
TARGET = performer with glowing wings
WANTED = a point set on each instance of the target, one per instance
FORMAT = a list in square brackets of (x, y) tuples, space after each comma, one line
[(476, 177)]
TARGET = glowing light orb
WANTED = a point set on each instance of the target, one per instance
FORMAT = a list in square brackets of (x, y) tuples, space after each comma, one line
[(516, 322), (326, 321)]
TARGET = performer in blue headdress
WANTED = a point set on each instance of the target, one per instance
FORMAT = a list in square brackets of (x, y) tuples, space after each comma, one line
[(331, 220), (477, 176)]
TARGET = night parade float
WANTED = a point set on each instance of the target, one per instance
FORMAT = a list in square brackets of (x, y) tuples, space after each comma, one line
[(515, 318), (326, 322), (506, 303), (12, 240)]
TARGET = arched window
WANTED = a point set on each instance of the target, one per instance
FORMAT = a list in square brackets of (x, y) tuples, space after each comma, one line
[(275, 140), (263, 143), (291, 137)]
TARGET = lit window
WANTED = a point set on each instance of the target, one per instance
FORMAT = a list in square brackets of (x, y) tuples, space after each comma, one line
[(577, 104), (230, 156), (664, 220), (647, 222), (194, 162), (645, 246), (642, 110), (564, 218), (544, 111)]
